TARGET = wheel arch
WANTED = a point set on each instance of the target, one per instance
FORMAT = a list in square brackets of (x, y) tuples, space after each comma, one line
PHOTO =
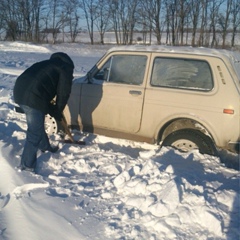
[(179, 123)]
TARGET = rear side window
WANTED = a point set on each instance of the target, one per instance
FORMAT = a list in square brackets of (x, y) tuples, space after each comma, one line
[(182, 73)]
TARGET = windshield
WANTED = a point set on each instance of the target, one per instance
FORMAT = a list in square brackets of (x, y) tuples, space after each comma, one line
[(93, 69)]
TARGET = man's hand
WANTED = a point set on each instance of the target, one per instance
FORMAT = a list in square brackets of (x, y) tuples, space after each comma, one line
[(54, 112)]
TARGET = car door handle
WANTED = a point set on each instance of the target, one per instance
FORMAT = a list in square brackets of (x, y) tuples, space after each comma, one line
[(134, 92)]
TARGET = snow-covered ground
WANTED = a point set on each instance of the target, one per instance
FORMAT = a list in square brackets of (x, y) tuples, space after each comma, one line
[(109, 188)]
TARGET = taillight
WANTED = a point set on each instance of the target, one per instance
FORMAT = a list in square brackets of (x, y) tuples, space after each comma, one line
[(228, 111)]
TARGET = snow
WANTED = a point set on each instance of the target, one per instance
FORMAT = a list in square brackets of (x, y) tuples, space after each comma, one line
[(109, 188)]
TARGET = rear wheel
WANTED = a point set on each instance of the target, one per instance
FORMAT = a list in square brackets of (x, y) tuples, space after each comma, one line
[(186, 140)]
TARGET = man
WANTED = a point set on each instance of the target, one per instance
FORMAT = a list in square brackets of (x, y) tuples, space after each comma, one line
[(34, 91)]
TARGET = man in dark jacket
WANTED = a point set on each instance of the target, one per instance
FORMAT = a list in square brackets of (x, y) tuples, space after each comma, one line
[(34, 91)]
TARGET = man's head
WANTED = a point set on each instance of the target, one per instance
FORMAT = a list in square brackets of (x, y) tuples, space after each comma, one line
[(63, 57)]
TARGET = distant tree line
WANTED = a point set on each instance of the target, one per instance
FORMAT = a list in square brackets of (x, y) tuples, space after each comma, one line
[(199, 22)]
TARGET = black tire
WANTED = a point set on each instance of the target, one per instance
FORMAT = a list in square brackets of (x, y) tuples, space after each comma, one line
[(186, 140)]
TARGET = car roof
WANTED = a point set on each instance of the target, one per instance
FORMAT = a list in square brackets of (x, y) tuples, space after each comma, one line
[(180, 49)]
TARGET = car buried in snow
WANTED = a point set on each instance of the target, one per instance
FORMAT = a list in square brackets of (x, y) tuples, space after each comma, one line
[(184, 97)]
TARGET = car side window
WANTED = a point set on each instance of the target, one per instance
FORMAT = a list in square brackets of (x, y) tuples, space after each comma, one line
[(102, 73), (126, 69), (182, 73)]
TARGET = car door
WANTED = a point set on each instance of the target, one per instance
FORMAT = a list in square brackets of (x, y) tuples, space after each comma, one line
[(114, 98)]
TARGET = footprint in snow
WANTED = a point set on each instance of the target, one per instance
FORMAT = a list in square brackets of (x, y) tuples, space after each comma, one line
[(4, 201), (26, 188)]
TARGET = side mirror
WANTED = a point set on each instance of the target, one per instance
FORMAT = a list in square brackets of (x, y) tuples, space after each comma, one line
[(105, 74), (89, 77)]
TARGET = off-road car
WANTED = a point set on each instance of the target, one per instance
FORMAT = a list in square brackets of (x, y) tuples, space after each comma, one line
[(184, 97)]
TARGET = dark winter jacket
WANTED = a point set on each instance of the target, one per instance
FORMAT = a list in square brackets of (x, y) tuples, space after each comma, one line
[(40, 83)]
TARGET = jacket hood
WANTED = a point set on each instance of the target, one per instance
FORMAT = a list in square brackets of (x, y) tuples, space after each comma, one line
[(63, 57)]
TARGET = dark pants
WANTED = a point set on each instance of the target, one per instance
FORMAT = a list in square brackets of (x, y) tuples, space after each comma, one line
[(36, 136)]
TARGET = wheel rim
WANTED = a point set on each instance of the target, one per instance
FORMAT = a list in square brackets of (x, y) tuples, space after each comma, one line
[(185, 145), (50, 125)]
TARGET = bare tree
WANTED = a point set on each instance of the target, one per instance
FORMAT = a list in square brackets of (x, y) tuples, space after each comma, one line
[(123, 15), (71, 21), (38, 5), (55, 18), (10, 19), (144, 23), (153, 9), (167, 22), (235, 20), (214, 13), (21, 19), (25, 8), (183, 10), (55, 22), (195, 15), (172, 10), (133, 15), (74, 26), (30, 11), (214, 20), (114, 10), (224, 21), (203, 22), (90, 11), (102, 18)]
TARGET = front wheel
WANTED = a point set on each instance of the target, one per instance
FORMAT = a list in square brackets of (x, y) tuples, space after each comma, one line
[(51, 125), (186, 140)]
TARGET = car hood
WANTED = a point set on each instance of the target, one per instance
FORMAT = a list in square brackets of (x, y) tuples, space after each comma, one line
[(82, 79)]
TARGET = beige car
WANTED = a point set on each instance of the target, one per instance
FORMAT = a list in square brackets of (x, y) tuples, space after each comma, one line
[(187, 98)]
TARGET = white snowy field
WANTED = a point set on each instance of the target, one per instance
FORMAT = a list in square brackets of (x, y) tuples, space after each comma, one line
[(109, 188)]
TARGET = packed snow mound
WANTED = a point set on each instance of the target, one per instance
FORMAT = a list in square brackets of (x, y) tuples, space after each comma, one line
[(22, 47)]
